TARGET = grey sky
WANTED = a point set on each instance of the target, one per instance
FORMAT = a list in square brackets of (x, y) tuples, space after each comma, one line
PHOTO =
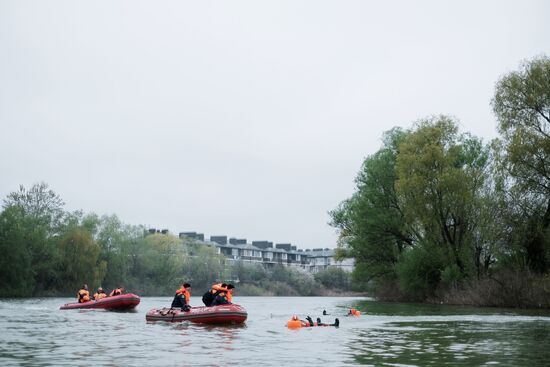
[(245, 118)]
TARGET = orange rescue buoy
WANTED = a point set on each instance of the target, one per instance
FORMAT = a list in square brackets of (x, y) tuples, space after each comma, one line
[(294, 323)]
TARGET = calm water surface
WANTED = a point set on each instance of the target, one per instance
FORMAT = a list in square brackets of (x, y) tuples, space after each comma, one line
[(34, 332)]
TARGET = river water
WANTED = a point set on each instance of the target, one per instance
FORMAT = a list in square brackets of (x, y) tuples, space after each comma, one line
[(34, 332)]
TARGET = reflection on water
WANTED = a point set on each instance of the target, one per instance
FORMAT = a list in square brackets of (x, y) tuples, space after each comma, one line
[(35, 333)]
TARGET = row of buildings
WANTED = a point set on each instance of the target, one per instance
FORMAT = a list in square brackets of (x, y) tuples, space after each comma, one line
[(268, 254)]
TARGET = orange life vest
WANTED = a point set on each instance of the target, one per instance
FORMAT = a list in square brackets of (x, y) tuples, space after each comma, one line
[(83, 296), (230, 296), (98, 296), (217, 287), (218, 290), (185, 293)]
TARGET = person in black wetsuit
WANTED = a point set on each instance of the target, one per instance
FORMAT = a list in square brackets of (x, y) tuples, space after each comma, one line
[(319, 323)]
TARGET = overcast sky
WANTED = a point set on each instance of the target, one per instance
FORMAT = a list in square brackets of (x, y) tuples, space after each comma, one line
[(244, 118)]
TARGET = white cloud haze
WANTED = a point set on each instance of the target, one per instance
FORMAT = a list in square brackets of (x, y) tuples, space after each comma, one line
[(244, 118)]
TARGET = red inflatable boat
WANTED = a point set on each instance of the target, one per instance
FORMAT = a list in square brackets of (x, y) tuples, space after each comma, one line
[(121, 302), (222, 314)]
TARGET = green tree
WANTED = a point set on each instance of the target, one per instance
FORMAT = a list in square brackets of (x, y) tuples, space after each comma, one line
[(522, 106), (118, 242), (161, 262), (204, 267), (41, 204), (420, 270), (42, 220), (249, 273), (16, 272), (334, 278), (372, 226), (441, 179), (80, 260)]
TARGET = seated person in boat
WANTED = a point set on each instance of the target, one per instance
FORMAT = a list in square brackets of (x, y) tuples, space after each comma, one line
[(117, 291), (230, 288), (210, 295), (224, 296), (99, 294), (83, 294), (182, 296)]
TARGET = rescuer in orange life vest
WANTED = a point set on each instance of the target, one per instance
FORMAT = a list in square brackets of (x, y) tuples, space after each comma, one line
[(99, 294), (210, 295), (182, 297), (230, 288), (224, 296), (117, 291), (83, 294)]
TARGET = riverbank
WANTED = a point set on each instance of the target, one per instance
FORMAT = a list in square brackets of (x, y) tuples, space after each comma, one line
[(521, 290)]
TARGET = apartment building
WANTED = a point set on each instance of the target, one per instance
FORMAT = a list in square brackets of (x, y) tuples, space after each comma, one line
[(268, 254)]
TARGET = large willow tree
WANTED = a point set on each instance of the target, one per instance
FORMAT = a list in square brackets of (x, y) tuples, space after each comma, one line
[(522, 106), (372, 226), (441, 180), (413, 218)]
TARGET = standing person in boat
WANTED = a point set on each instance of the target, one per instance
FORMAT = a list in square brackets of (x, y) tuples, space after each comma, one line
[(210, 295), (83, 294), (182, 297), (117, 291), (99, 294)]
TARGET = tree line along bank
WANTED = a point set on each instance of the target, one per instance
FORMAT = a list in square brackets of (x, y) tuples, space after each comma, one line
[(440, 216)]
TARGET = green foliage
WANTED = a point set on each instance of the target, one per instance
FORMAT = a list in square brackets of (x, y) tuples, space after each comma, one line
[(522, 106), (371, 223), (278, 288), (441, 177), (204, 268), (16, 272), (451, 275), (39, 204), (435, 208), (79, 260), (160, 260), (426, 185), (249, 273), (302, 283), (419, 271), (39, 219), (335, 278), (49, 251)]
